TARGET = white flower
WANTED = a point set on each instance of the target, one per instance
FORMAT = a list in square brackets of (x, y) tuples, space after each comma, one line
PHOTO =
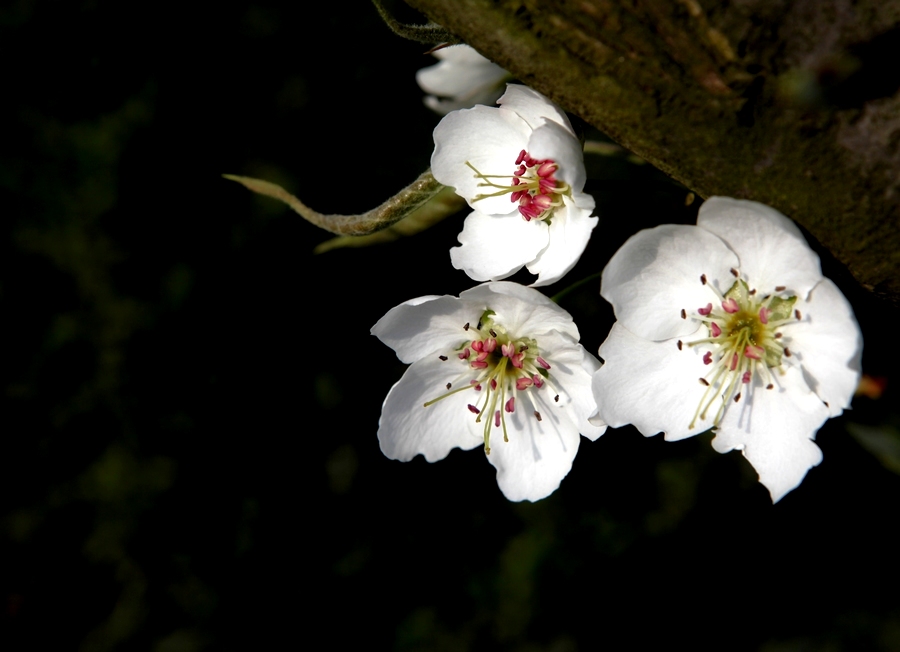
[(521, 168), (462, 79), (499, 367), (729, 324)]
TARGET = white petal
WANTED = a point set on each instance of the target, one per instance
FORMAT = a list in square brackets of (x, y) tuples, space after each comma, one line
[(828, 343), (772, 250), (488, 138), (571, 372), (525, 312), (461, 70), (656, 274), (494, 246), (534, 108), (538, 455), (407, 428), (552, 141), (424, 326), (774, 429), (569, 232), (653, 385)]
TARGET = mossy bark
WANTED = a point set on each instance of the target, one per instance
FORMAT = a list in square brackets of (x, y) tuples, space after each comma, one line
[(790, 103)]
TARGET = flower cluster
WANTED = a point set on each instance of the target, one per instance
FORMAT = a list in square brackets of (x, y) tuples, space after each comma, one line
[(727, 326)]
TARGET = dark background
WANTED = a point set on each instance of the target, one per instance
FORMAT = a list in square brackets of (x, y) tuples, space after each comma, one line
[(191, 397)]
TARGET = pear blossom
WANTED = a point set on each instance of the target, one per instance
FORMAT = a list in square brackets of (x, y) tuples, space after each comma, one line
[(729, 325), (520, 167), (500, 367), (462, 79)]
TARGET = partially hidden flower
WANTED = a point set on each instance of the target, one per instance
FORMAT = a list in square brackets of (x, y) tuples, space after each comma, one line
[(500, 368), (521, 168), (729, 325), (460, 80)]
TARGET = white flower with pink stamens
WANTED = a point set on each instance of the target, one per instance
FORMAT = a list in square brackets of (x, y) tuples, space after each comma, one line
[(729, 325), (521, 168), (462, 79), (500, 367)]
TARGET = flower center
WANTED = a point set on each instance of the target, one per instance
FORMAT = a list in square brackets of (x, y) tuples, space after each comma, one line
[(533, 185), (745, 340), (502, 369)]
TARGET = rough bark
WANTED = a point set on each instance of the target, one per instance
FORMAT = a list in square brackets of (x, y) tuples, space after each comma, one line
[(791, 103)]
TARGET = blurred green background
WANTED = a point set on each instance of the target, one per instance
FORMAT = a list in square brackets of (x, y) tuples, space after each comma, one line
[(191, 398)]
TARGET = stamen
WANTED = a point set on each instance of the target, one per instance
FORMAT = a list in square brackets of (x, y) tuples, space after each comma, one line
[(680, 344), (703, 279), (537, 415), (705, 311), (683, 314), (735, 273)]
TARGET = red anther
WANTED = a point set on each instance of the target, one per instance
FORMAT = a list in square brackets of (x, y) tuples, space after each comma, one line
[(734, 361), (517, 360), (521, 157), (511, 404), (546, 186), (543, 202), (497, 419), (481, 357), (714, 329), (493, 383), (730, 306), (465, 354), (543, 363), (538, 381), (489, 345), (707, 357), (746, 377), (479, 364), (547, 169), (705, 311), (516, 181), (754, 352), (520, 171), (473, 409), (478, 345), (523, 383), (764, 315)]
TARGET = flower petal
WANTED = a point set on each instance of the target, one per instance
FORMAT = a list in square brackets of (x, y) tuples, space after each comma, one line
[(572, 371), (774, 429), (538, 455), (569, 232), (524, 311), (407, 428), (772, 250), (828, 343), (423, 327), (656, 274), (533, 107), (488, 138), (461, 71), (652, 385), (494, 246), (552, 141)]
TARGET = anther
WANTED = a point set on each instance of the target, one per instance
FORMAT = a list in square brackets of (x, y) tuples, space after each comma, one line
[(730, 305), (556, 399), (735, 273), (770, 386), (443, 357), (703, 279), (752, 292), (511, 404), (707, 357), (680, 344), (537, 415), (706, 310), (715, 329), (683, 314), (787, 352), (705, 382), (780, 288), (449, 385), (473, 409), (746, 377), (737, 397), (466, 327), (797, 314), (493, 333), (778, 336)]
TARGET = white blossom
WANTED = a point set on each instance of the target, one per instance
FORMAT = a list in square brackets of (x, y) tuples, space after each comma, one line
[(729, 325), (460, 80), (499, 368), (521, 168)]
